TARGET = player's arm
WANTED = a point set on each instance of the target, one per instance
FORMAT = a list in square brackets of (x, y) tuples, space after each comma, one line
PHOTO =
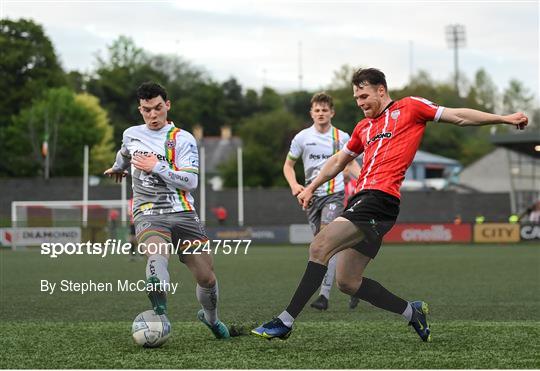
[(185, 172), (352, 169), (290, 176), (332, 167), (186, 178), (471, 117), (121, 163)]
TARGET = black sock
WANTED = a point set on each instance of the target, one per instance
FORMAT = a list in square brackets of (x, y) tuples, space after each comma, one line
[(375, 294), (310, 283)]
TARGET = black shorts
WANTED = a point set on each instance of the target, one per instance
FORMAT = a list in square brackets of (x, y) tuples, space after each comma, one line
[(375, 213)]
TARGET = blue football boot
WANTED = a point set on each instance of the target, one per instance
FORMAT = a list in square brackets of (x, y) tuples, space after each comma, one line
[(273, 329), (419, 320)]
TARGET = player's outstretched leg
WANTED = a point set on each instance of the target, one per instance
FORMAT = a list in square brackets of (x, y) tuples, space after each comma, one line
[(350, 280), (338, 235), (156, 281), (207, 291), (281, 326), (414, 312), (208, 297)]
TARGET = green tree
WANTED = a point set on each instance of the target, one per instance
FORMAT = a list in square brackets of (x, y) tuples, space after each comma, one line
[(102, 154), (233, 101), (251, 103), (28, 66), (116, 79), (517, 97), (299, 104), (342, 78), (195, 98), (76, 81), (270, 100), (266, 138), (205, 105), (69, 124), (484, 91)]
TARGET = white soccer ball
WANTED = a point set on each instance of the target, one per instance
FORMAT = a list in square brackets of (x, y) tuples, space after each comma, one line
[(150, 330)]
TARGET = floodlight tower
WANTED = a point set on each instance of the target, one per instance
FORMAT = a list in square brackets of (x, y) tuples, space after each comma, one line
[(455, 37)]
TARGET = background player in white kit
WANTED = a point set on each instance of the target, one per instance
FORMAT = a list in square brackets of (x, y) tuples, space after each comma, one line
[(315, 145), (164, 167)]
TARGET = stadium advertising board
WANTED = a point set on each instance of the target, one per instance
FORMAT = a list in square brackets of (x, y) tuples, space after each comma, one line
[(300, 233), (530, 232), (37, 236), (429, 233), (496, 232), (275, 234)]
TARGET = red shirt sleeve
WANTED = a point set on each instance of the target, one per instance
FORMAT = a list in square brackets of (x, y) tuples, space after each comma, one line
[(425, 110), (354, 146)]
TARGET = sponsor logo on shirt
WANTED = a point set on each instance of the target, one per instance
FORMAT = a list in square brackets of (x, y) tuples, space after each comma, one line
[(159, 157), (386, 135), (319, 156), (311, 144)]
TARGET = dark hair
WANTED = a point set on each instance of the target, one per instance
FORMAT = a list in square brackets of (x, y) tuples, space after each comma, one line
[(149, 90), (323, 98), (371, 76)]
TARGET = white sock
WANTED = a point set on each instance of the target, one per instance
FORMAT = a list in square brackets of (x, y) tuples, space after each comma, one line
[(286, 318), (407, 313), (328, 280), (156, 265), (208, 297)]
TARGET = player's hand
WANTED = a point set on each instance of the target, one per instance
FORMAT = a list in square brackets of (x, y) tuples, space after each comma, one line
[(116, 174), (519, 119), (304, 197), (144, 162), (296, 189)]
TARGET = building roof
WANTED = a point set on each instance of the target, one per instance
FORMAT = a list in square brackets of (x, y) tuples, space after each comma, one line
[(218, 150), (526, 142), (426, 157)]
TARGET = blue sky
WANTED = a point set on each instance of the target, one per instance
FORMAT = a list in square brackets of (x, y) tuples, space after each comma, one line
[(258, 41)]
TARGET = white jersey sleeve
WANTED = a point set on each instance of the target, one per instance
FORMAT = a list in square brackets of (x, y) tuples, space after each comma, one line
[(297, 147), (343, 139), (123, 157)]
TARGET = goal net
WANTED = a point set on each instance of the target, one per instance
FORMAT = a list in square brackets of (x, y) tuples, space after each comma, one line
[(35, 222)]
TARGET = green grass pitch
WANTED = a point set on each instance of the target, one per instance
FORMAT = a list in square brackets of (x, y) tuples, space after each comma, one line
[(485, 303)]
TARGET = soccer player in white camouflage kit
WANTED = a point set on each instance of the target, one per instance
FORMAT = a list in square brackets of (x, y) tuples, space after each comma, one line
[(164, 165), (314, 145)]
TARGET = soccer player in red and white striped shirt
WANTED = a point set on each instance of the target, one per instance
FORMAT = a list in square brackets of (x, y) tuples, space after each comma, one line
[(389, 137)]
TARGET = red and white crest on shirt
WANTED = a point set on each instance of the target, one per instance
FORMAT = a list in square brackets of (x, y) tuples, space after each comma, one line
[(171, 143)]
